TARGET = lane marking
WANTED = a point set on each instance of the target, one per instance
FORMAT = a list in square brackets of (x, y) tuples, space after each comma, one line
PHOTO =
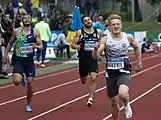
[(55, 87), (62, 72), (137, 98), (81, 97)]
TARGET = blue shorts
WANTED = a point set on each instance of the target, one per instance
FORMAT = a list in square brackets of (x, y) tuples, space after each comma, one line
[(23, 65)]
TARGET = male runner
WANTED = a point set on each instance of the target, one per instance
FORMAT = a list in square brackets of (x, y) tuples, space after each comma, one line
[(83, 42), (26, 40), (118, 66)]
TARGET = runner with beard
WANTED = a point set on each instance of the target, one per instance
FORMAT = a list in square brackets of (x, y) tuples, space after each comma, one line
[(26, 39), (83, 42)]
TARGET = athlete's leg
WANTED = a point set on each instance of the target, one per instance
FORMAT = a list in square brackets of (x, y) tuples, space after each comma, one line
[(29, 93), (17, 78), (93, 77), (17, 71), (92, 88), (83, 71), (112, 90), (115, 107), (30, 74), (93, 71), (44, 52), (124, 84)]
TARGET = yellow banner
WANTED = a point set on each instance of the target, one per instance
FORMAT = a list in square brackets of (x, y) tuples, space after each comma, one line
[(70, 36), (35, 3)]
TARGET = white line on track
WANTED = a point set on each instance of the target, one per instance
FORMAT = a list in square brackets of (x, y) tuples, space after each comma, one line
[(45, 76), (58, 86), (137, 98), (76, 99), (62, 72)]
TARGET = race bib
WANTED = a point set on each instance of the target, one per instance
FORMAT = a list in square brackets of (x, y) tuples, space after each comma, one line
[(26, 48), (88, 46), (115, 63)]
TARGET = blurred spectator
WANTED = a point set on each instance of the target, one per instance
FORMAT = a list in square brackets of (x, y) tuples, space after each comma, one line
[(88, 8), (9, 10), (28, 7), (56, 22), (96, 8), (45, 36), (99, 24), (7, 33), (21, 9), (146, 47), (62, 44), (1, 42), (15, 7), (106, 31), (18, 21)]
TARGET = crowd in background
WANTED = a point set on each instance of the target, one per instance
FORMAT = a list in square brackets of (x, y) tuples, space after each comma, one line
[(10, 19)]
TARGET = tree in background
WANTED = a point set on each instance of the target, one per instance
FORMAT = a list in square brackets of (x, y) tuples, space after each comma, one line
[(154, 2)]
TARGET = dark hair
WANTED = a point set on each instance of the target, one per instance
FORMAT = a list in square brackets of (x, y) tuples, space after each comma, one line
[(83, 18)]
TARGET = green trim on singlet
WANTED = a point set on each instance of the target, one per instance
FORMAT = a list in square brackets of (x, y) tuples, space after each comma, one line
[(21, 40)]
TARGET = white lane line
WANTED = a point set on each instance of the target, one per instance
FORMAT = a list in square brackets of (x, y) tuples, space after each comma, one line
[(45, 76), (76, 99), (62, 72), (51, 88), (137, 98)]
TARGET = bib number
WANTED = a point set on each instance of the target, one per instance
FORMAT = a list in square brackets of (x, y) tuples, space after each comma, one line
[(115, 63), (88, 46), (27, 48)]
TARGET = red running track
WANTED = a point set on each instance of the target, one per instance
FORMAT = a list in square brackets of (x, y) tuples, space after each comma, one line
[(65, 97)]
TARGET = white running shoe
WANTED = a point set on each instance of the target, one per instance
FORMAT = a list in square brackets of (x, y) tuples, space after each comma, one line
[(90, 102), (128, 111)]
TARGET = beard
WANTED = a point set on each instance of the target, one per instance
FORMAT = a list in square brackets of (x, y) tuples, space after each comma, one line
[(88, 26), (26, 25)]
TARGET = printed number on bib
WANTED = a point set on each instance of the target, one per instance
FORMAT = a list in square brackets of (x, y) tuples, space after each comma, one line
[(88, 46), (115, 63), (27, 48)]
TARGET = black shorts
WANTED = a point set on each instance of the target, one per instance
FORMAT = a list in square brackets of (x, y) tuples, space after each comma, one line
[(114, 83), (21, 66), (86, 66)]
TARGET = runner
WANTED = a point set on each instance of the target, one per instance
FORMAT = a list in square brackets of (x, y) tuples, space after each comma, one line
[(118, 65), (25, 39), (83, 42)]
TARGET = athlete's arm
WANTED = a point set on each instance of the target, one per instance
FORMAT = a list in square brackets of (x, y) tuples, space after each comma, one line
[(38, 40), (137, 51), (99, 48), (10, 43), (99, 34), (76, 40)]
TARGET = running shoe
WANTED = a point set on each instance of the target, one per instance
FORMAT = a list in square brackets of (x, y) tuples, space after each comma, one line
[(28, 108), (128, 111), (90, 102)]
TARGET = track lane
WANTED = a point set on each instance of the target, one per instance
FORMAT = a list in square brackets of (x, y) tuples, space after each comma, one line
[(45, 97)]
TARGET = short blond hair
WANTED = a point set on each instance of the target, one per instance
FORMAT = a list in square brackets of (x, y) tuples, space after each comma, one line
[(114, 16)]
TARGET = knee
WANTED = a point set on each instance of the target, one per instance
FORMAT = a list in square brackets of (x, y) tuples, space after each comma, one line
[(93, 77), (123, 95), (16, 82)]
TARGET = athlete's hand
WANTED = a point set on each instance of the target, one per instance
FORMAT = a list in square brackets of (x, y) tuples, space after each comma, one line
[(138, 67), (96, 45), (34, 45), (78, 47), (4, 60)]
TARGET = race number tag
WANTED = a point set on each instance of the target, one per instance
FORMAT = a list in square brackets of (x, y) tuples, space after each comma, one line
[(88, 46), (115, 63), (26, 48)]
